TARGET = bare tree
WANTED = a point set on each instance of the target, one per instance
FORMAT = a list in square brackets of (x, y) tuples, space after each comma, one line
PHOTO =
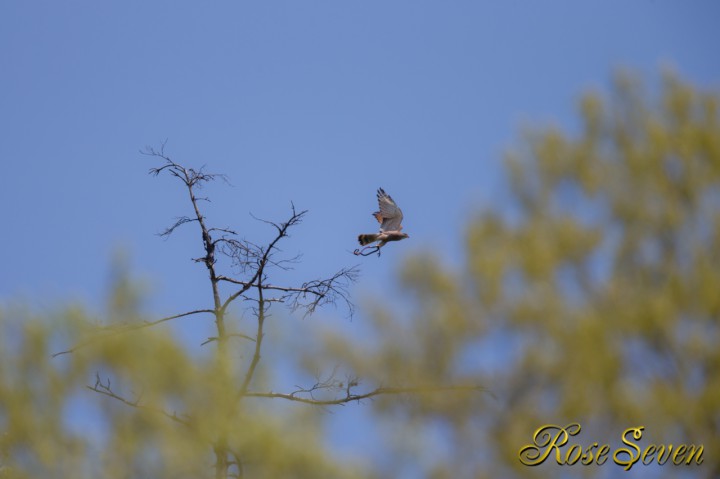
[(253, 262), (238, 272)]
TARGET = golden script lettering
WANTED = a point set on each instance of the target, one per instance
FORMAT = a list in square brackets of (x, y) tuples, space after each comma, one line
[(550, 440)]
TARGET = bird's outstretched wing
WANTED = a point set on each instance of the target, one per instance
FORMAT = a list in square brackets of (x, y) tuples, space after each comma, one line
[(390, 216)]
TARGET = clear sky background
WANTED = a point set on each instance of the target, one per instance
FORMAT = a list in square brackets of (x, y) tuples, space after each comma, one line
[(314, 102)]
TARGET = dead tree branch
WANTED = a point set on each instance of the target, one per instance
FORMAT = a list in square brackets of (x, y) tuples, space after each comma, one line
[(261, 256), (312, 294), (180, 221), (106, 390), (350, 397), (113, 330)]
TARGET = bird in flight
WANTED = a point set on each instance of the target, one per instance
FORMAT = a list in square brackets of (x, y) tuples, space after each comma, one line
[(390, 218)]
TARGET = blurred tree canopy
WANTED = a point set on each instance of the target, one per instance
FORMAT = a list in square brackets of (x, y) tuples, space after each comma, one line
[(591, 295)]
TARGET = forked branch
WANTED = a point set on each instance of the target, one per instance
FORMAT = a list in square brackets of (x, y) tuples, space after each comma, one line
[(105, 389), (189, 176), (350, 397), (249, 256), (310, 295)]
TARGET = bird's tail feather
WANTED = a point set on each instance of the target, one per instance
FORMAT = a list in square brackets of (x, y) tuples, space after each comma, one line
[(367, 239)]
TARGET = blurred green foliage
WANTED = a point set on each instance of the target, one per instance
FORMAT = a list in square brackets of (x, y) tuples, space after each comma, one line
[(590, 295), (52, 425)]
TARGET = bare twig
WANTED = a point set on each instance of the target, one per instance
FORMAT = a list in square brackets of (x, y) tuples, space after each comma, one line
[(312, 294), (106, 390), (180, 221), (264, 255), (327, 291), (222, 230), (114, 330), (350, 397), (189, 176), (229, 335)]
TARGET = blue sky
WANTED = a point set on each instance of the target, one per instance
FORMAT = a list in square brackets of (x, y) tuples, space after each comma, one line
[(316, 102)]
